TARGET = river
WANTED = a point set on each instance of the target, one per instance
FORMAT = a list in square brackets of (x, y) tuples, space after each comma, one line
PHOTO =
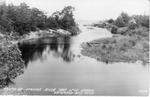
[(57, 63)]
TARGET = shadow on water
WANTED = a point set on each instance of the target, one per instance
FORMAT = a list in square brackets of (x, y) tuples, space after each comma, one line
[(40, 49)]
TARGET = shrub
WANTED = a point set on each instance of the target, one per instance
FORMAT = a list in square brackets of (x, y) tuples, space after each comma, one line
[(119, 22), (114, 30), (11, 64), (122, 20), (142, 20), (132, 26), (111, 21)]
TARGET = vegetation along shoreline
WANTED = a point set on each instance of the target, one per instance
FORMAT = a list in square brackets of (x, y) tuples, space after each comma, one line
[(22, 23), (129, 43)]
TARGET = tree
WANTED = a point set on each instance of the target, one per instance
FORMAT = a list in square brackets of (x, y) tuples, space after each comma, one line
[(5, 22), (122, 20), (125, 17), (52, 23), (142, 20), (38, 19), (64, 20), (23, 19), (111, 21), (67, 22)]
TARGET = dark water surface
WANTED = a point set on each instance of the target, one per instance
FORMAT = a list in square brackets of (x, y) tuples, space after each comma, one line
[(57, 63)]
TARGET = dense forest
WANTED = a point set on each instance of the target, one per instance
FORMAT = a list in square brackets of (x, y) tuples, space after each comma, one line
[(22, 19)]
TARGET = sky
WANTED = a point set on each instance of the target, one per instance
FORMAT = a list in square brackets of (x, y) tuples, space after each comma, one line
[(90, 9)]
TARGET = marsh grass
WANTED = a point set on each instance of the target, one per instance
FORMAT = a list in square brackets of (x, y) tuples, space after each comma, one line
[(129, 43)]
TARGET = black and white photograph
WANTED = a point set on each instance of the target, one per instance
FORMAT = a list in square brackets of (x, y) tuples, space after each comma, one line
[(74, 47)]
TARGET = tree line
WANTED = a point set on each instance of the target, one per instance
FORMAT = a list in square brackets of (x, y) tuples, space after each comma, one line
[(22, 19), (129, 23), (125, 20)]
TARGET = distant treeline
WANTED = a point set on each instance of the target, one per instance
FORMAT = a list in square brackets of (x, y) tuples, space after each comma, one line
[(124, 23), (22, 19), (135, 21)]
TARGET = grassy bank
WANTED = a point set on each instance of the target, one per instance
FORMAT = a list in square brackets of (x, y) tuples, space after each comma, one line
[(128, 44)]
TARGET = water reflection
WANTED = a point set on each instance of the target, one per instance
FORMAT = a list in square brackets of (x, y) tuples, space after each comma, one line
[(41, 49), (82, 73)]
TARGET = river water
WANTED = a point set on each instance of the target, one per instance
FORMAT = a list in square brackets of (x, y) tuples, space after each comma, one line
[(57, 63)]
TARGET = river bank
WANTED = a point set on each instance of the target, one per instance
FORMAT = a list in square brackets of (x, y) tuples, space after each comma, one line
[(11, 62), (22, 23), (60, 58), (128, 44)]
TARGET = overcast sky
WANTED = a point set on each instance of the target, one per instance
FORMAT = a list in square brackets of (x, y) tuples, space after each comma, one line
[(90, 9)]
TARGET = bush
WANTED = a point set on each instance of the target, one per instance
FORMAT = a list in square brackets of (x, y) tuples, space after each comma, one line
[(11, 64), (142, 20), (132, 26), (111, 21), (122, 20), (114, 30), (119, 22)]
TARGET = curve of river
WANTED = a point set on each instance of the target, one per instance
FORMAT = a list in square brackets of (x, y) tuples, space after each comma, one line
[(58, 63)]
